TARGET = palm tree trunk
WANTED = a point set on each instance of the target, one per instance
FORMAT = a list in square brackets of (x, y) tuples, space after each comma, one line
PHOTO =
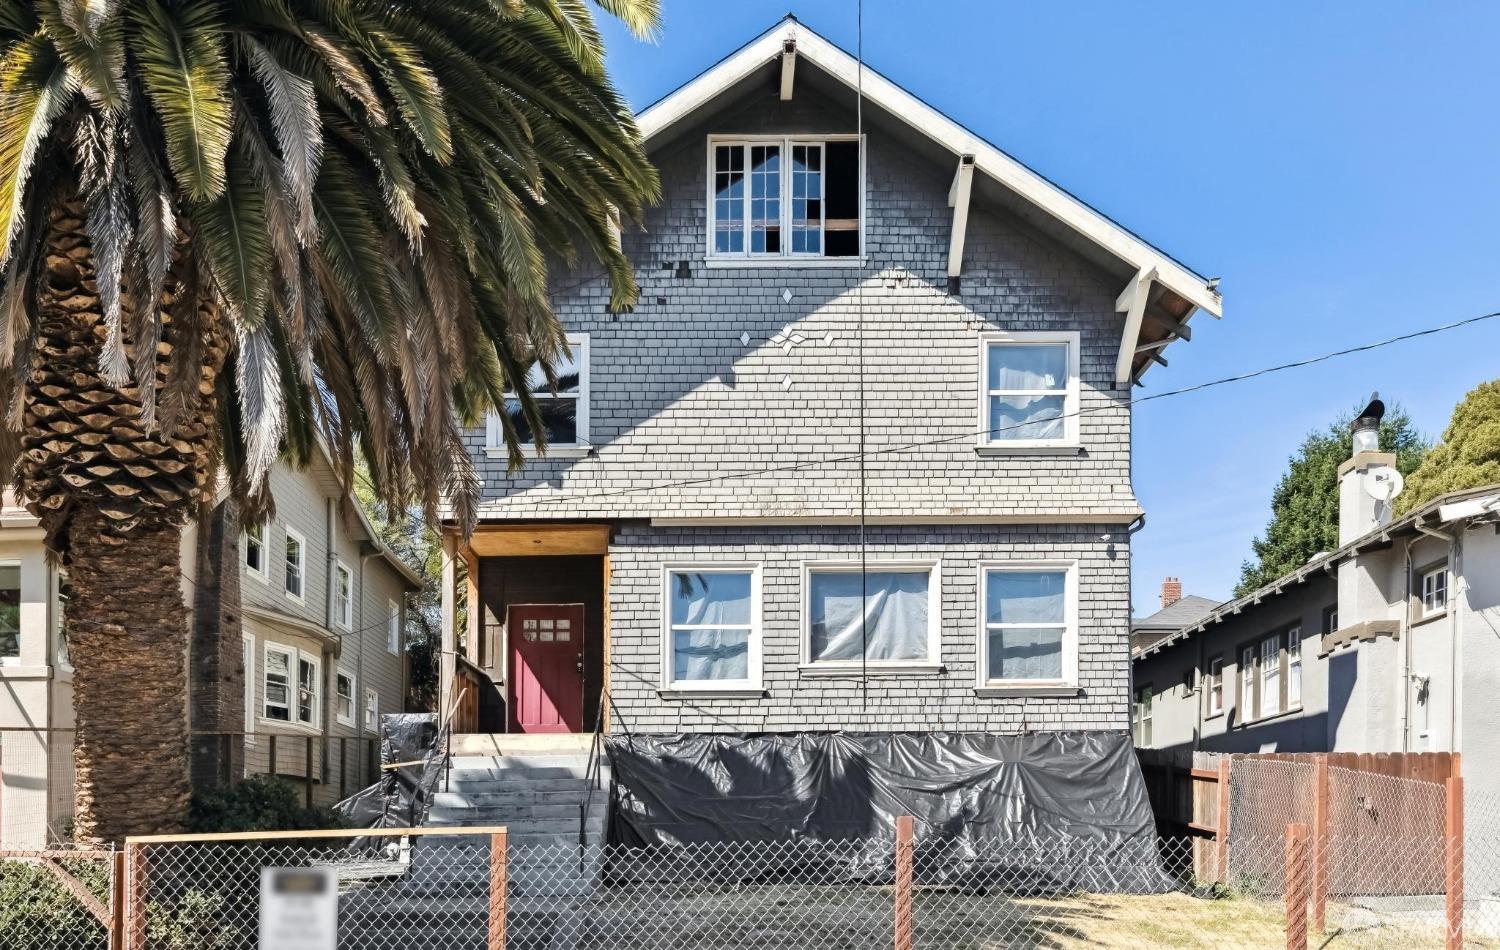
[(112, 492), (127, 632)]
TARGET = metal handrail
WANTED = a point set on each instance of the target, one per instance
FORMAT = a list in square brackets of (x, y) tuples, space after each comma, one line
[(594, 770)]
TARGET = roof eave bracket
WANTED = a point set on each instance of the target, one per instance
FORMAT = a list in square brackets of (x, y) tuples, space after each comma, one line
[(958, 200), (1132, 303)]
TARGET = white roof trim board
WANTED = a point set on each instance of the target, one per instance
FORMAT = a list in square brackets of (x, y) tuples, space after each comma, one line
[(1049, 198)]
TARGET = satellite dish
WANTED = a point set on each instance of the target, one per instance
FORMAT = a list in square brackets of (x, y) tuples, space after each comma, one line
[(1384, 484)]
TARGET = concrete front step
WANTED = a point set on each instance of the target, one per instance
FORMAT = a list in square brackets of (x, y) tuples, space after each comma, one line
[(463, 763), (519, 744)]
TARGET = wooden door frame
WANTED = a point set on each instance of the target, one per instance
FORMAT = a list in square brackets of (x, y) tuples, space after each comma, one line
[(510, 681)]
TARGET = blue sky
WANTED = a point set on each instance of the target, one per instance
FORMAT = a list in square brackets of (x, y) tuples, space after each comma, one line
[(1337, 164)]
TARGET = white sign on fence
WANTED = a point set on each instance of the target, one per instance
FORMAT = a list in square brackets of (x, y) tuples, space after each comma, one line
[(299, 909)]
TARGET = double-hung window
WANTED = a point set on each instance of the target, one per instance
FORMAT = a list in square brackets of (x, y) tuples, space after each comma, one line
[(1028, 390), (712, 635), (1216, 686), (292, 685), (1270, 676), (343, 689), (1248, 709), (309, 689), (277, 688), (295, 564), (778, 198), (1142, 716), (884, 619), (343, 595), (564, 411), (1029, 634), (1435, 591), (372, 710), (255, 551), (1294, 668)]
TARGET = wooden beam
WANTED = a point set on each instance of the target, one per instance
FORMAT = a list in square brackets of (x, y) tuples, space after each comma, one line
[(533, 540), (1132, 302), (958, 200), (788, 68), (448, 657)]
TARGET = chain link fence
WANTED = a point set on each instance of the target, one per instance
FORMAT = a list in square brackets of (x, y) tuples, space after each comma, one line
[(473, 889)]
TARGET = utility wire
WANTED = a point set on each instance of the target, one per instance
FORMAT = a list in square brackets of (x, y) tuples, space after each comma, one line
[(964, 436)]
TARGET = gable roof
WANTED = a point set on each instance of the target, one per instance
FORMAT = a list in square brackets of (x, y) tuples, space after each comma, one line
[(1172, 290), (1180, 614)]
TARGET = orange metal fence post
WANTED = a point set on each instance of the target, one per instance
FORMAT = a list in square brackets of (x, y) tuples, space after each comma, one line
[(1296, 887), (499, 885), (1319, 845), (1221, 837), (903, 921), (1453, 864), (117, 901), (135, 896)]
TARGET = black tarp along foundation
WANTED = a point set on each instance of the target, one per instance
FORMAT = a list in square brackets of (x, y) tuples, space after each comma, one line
[(1034, 813)]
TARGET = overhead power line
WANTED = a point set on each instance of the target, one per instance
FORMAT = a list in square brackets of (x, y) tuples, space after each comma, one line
[(863, 454)]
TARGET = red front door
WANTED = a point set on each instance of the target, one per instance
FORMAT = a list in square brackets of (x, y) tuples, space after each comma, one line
[(546, 667)]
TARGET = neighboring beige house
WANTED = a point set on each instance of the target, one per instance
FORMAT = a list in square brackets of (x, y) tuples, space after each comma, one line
[(314, 611)]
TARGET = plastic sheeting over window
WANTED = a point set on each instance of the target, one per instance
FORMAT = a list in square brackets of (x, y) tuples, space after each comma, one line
[(890, 616), (711, 625), (1026, 624)]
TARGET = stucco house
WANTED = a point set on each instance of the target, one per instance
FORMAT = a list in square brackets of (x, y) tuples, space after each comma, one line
[(297, 634), (1386, 644), (902, 351)]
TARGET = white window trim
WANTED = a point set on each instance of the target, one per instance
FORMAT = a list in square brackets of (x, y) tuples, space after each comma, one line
[(295, 685), (494, 436), (934, 661), (247, 655), (1247, 694), (1429, 613), (364, 710), (1293, 662), (393, 637), (292, 534), (20, 614), (263, 574), (266, 649), (1069, 678), (752, 685), (343, 613), (1215, 675), (785, 258), (999, 446), (339, 717), (1278, 642)]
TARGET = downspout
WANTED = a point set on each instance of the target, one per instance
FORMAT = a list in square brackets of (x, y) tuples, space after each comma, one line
[(358, 700), (1455, 555), (330, 668), (1406, 653)]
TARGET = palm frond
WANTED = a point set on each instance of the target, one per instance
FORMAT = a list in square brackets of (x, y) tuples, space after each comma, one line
[(35, 87), (234, 243), (299, 128), (180, 52)]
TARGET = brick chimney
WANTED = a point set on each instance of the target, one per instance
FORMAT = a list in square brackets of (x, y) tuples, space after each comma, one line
[(1171, 591)]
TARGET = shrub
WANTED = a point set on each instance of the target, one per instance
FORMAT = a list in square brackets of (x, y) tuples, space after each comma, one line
[(259, 803), (195, 923), (38, 913)]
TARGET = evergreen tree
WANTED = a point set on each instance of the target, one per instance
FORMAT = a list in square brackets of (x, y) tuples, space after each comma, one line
[(1468, 456), (1305, 505)]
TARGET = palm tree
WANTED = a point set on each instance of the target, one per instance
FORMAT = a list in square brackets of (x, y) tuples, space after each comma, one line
[(231, 228)]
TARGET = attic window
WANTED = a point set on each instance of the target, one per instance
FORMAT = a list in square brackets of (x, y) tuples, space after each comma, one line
[(778, 198)]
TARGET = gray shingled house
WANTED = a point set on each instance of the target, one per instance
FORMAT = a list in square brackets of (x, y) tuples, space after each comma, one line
[(690, 542)]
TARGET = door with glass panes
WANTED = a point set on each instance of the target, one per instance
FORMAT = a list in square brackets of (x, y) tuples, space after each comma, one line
[(546, 667)]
